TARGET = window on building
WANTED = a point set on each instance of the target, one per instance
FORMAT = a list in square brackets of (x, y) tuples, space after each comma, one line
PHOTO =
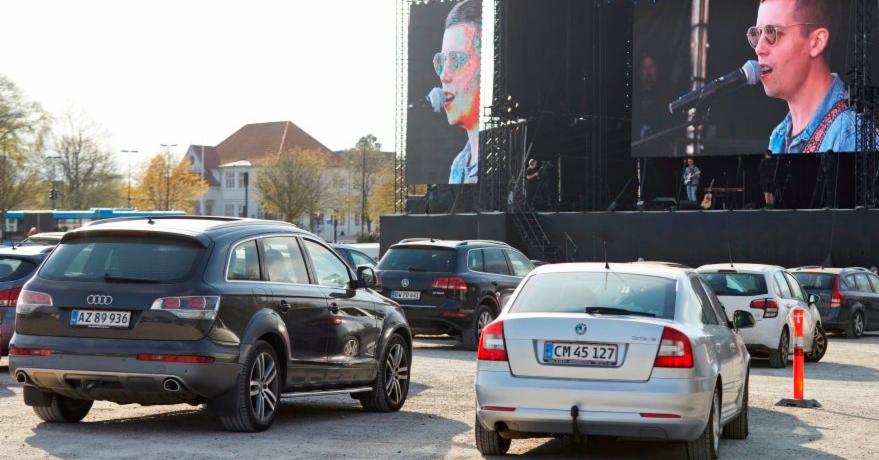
[(241, 181), (11, 226), (209, 208), (229, 181), (230, 210)]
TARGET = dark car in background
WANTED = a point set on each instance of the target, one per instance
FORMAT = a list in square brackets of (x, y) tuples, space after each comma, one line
[(451, 287), (849, 297), (234, 313), (17, 265), (353, 256)]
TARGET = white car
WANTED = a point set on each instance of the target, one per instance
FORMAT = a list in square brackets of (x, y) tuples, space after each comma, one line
[(630, 350), (771, 294)]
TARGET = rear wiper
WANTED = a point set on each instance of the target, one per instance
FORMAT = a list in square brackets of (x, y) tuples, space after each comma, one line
[(129, 279), (617, 311), (413, 269)]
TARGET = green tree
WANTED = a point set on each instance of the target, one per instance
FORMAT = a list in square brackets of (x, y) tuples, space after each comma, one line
[(23, 129)]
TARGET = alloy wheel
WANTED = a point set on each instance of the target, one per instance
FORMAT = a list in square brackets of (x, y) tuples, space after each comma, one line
[(715, 424), (785, 345), (858, 324), (396, 373), (263, 399), (484, 319), (819, 342)]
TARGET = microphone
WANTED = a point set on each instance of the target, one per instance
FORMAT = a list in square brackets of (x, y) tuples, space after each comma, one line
[(748, 74), (436, 98)]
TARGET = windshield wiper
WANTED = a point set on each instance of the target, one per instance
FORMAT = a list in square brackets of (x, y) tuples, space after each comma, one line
[(129, 279), (617, 311)]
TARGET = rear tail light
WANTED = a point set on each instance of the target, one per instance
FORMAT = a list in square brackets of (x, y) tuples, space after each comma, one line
[(9, 297), (28, 301), (451, 283), (769, 307), (175, 358), (491, 343), (836, 297), (457, 314), (15, 351), (674, 350), (191, 307)]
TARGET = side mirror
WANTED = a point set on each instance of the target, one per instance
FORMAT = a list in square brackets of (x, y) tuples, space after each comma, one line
[(814, 299), (743, 319), (365, 276)]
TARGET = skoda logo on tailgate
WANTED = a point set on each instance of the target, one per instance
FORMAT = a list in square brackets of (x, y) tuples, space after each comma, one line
[(96, 299)]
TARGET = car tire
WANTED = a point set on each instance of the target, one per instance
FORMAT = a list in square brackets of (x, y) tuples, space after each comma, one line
[(483, 315), (490, 442), (706, 446), (256, 411), (737, 428), (855, 329), (391, 385), (778, 357), (64, 410), (819, 345)]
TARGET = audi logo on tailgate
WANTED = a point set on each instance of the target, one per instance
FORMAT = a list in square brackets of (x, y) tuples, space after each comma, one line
[(96, 299)]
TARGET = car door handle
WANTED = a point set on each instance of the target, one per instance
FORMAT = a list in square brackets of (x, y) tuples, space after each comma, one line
[(334, 308), (284, 306)]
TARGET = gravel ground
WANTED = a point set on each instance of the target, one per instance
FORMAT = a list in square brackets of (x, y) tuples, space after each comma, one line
[(437, 420)]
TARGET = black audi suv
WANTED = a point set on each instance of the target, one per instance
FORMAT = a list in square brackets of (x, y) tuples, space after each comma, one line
[(451, 287), (849, 297), (234, 313)]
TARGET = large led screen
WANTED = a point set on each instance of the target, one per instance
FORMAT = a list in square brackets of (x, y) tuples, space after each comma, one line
[(795, 102), (443, 116)]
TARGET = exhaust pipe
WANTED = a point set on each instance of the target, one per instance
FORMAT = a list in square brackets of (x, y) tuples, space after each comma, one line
[(172, 385), (21, 378)]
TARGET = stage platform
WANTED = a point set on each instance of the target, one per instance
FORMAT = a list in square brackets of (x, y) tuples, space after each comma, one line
[(843, 237)]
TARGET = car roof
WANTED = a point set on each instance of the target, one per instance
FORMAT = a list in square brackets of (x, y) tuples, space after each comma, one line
[(829, 270), (449, 243), (660, 270), (197, 227), (27, 251), (740, 268)]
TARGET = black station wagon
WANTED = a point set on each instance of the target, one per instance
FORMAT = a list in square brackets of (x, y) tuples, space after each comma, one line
[(234, 313)]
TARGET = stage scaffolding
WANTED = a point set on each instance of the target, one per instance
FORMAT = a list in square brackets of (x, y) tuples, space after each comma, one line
[(865, 101), (401, 189)]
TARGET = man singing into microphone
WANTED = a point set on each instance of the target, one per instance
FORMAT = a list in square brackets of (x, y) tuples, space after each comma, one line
[(791, 41), (458, 67)]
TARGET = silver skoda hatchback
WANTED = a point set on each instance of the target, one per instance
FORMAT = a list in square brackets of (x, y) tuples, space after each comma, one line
[(628, 350)]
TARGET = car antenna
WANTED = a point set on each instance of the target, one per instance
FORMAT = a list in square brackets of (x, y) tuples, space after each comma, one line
[(729, 251), (606, 265), (150, 220)]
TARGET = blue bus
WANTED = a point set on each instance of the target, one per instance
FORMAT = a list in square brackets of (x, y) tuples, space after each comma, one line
[(18, 223)]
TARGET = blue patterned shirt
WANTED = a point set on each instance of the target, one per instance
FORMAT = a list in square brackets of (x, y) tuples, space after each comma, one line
[(840, 137), (461, 173)]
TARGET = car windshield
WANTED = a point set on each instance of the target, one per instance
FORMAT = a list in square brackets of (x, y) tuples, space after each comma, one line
[(419, 259), (122, 259), (598, 293), (821, 281), (736, 284), (14, 269)]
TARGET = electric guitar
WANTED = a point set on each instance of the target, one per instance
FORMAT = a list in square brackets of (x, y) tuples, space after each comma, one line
[(708, 198)]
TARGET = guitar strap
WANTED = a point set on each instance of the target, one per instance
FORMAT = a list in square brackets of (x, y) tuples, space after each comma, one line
[(820, 133)]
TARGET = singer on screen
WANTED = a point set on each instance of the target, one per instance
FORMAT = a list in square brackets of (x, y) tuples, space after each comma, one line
[(458, 67), (791, 40)]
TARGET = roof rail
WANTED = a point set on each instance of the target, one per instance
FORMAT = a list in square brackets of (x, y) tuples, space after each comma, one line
[(124, 219), (462, 243), (413, 240), (807, 266), (859, 269)]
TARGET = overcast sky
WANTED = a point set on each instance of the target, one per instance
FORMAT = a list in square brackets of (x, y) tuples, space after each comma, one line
[(193, 71)]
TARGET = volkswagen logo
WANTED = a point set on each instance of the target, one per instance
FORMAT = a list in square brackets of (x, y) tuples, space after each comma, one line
[(405, 282), (96, 299), (580, 329)]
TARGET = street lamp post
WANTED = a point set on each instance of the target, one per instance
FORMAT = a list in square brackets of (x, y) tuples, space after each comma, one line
[(167, 148), (53, 194), (129, 173)]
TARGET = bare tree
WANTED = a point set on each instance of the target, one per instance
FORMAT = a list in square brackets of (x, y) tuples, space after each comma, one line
[(292, 183), (87, 170), (365, 161)]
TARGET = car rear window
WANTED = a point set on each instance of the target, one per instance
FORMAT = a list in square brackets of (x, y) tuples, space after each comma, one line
[(419, 259), (815, 280), (122, 259), (574, 292), (736, 284), (14, 269)]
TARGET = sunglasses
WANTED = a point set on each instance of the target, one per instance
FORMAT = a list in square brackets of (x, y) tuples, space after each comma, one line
[(770, 32), (454, 59)]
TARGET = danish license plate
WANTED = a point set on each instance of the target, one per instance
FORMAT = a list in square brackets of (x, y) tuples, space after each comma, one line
[(406, 295), (587, 354), (101, 319)]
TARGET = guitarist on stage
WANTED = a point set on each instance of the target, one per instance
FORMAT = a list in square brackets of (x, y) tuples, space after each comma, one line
[(691, 176)]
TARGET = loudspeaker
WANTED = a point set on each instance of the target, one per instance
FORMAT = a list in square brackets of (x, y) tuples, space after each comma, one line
[(660, 203)]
